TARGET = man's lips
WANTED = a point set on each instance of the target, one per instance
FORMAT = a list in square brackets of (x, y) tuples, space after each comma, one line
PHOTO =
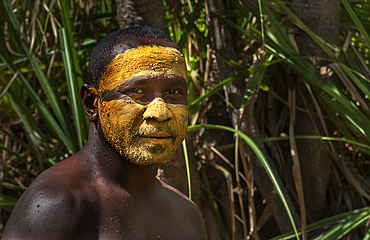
[(158, 135)]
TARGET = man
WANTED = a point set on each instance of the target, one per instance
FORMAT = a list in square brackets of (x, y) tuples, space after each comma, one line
[(137, 106)]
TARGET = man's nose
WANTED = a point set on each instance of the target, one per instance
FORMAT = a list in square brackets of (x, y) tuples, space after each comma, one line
[(158, 110)]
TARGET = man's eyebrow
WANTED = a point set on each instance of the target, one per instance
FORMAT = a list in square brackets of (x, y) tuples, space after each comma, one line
[(138, 81), (141, 80)]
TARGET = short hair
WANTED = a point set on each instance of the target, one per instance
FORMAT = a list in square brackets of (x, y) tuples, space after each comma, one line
[(112, 44)]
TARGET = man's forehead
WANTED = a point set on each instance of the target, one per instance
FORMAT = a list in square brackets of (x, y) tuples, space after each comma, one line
[(142, 60), (142, 80), (126, 44)]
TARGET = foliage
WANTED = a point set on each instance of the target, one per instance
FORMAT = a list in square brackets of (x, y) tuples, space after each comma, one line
[(345, 105), (44, 58), (43, 63)]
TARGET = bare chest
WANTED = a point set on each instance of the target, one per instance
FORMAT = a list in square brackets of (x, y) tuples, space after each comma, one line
[(128, 219)]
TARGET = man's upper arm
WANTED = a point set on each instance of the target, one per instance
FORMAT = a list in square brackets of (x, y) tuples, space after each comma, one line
[(33, 217), (43, 212)]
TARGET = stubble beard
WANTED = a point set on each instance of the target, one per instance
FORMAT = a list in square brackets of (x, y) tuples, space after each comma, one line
[(143, 154)]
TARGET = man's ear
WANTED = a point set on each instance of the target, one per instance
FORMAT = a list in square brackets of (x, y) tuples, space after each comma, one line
[(89, 98)]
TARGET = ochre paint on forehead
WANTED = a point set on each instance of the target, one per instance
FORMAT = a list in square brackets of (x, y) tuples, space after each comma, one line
[(142, 61)]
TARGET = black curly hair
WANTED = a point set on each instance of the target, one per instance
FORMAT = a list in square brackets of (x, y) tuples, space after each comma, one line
[(116, 43)]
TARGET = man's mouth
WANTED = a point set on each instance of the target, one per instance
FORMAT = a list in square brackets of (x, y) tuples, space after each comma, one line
[(156, 135)]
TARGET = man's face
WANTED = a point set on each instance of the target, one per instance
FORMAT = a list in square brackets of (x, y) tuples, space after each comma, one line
[(143, 103)]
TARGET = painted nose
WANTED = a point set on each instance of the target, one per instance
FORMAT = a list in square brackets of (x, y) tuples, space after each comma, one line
[(158, 110)]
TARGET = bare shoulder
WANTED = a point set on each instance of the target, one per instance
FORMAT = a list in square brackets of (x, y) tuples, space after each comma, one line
[(187, 210), (55, 205)]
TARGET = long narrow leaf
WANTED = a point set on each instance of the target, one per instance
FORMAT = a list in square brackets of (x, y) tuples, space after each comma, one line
[(72, 86), (356, 21), (187, 166), (260, 156), (354, 218), (212, 91)]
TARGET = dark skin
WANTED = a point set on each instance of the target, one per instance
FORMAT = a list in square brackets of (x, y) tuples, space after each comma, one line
[(99, 194)]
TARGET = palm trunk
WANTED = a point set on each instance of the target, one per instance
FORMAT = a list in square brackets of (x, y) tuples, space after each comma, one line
[(323, 18), (141, 12)]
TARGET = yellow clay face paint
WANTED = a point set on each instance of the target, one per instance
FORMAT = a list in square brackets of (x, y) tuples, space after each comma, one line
[(144, 141), (145, 133), (93, 91), (144, 60)]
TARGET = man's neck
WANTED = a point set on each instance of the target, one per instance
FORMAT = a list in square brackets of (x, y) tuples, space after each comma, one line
[(117, 169)]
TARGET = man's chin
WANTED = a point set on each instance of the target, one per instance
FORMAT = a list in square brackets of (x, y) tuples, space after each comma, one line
[(146, 154), (149, 161)]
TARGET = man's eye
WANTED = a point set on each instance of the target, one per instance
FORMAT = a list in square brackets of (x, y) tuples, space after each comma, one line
[(135, 90), (173, 92)]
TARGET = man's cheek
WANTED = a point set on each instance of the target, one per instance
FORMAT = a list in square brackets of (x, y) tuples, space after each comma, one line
[(181, 113), (117, 118)]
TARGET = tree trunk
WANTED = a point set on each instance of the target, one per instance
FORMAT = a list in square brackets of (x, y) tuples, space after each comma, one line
[(323, 18), (214, 113), (141, 12)]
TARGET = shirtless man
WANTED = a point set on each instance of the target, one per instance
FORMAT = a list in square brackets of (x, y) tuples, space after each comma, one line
[(136, 102)]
